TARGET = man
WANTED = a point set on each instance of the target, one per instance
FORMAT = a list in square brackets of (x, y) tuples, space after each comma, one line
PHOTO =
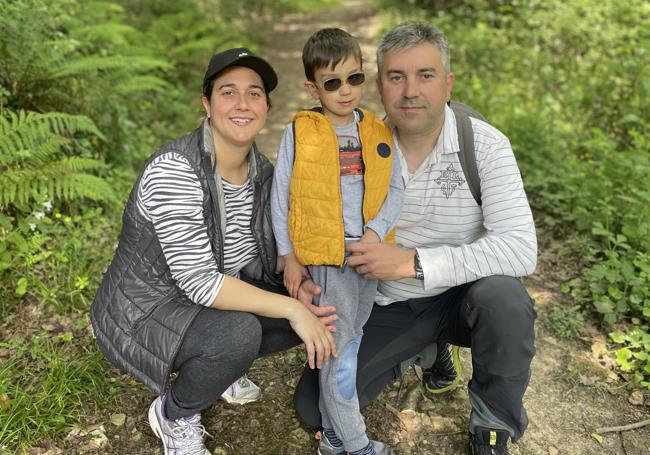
[(452, 277)]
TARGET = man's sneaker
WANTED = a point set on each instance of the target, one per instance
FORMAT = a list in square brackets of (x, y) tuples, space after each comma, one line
[(325, 448), (486, 441), (446, 371), (242, 391), (179, 437)]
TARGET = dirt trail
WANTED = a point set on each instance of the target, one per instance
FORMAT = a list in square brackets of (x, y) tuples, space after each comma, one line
[(568, 396)]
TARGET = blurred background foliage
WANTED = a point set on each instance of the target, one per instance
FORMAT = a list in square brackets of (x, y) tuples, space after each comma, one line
[(88, 89)]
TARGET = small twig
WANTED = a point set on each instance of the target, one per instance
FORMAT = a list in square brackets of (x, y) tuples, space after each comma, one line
[(631, 426)]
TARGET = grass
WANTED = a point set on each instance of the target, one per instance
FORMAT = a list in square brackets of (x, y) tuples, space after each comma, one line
[(48, 380)]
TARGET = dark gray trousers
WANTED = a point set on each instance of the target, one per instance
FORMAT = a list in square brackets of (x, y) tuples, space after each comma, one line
[(218, 348), (494, 316)]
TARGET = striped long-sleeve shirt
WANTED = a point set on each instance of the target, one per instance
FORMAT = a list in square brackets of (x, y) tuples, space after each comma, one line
[(457, 240), (170, 196)]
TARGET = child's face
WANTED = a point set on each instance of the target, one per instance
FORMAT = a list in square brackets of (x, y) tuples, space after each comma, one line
[(338, 104)]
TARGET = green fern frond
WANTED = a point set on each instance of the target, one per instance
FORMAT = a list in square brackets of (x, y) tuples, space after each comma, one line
[(76, 164), (205, 45), (34, 160), (64, 179), (41, 153), (142, 84), (87, 186), (105, 33), (93, 63), (28, 130)]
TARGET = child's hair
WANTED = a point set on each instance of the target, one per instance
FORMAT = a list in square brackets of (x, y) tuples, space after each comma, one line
[(328, 47)]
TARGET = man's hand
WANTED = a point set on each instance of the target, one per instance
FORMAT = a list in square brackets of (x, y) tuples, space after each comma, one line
[(370, 236), (327, 314), (382, 261)]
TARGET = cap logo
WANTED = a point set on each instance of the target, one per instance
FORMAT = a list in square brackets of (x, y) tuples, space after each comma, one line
[(242, 54)]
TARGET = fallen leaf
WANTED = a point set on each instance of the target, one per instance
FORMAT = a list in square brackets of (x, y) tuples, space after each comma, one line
[(98, 439), (5, 353), (118, 419), (553, 450), (598, 438), (5, 402), (586, 380), (636, 398), (598, 348)]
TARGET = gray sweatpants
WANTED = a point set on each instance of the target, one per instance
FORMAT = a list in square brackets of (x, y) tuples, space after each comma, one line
[(353, 297)]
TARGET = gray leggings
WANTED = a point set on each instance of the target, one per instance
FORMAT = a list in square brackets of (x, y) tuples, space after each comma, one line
[(219, 347)]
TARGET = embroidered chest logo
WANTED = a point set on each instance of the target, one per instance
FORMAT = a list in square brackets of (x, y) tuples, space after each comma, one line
[(449, 180)]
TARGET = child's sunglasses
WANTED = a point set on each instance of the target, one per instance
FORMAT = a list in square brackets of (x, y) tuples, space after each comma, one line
[(332, 85)]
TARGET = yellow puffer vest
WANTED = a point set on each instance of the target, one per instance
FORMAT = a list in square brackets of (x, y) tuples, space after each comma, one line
[(315, 199)]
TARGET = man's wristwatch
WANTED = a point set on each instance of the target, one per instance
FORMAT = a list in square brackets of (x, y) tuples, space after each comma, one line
[(419, 273)]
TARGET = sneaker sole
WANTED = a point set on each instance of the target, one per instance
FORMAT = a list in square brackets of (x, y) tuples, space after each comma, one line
[(155, 426), (455, 360)]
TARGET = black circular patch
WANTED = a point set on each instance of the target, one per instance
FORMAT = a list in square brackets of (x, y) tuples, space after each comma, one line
[(383, 149)]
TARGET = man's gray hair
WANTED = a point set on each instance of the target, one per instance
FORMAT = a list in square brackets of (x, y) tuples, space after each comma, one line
[(409, 34)]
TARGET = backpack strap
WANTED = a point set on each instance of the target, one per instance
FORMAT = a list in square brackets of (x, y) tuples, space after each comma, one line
[(467, 154)]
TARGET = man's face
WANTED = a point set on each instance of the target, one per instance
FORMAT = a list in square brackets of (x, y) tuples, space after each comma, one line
[(414, 88)]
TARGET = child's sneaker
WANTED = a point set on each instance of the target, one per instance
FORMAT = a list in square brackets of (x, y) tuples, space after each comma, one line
[(179, 437), (242, 391)]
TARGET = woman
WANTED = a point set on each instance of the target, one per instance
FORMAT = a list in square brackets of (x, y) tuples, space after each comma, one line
[(188, 288)]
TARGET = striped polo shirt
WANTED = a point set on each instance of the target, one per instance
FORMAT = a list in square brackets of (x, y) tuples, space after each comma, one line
[(457, 240)]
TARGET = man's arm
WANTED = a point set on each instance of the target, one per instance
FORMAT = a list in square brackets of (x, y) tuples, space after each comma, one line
[(509, 246)]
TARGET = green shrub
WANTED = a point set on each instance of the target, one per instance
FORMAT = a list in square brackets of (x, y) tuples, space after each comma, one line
[(566, 322)]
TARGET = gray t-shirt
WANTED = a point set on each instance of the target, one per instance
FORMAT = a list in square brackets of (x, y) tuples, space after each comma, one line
[(351, 189)]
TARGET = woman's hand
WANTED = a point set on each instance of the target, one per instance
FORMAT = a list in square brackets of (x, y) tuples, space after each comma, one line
[(327, 314), (318, 340), (294, 274)]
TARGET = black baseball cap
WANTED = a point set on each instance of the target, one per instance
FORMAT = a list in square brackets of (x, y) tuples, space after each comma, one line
[(241, 56)]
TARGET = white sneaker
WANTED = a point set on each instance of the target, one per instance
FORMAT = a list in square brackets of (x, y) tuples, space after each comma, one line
[(179, 437), (242, 391)]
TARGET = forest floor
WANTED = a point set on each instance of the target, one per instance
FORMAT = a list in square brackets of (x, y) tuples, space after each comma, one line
[(572, 392)]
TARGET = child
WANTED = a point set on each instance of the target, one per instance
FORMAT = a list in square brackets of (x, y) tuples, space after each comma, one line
[(336, 181)]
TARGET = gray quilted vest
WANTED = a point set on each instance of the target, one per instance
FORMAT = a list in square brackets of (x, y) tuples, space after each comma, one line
[(139, 315)]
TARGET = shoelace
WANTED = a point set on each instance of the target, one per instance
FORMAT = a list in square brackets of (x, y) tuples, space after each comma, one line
[(189, 433)]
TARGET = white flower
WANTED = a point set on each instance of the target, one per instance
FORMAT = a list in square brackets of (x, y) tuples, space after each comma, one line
[(32, 226), (39, 215), (47, 205)]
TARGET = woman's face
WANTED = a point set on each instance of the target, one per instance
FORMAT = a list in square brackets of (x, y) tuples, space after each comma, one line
[(238, 106)]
